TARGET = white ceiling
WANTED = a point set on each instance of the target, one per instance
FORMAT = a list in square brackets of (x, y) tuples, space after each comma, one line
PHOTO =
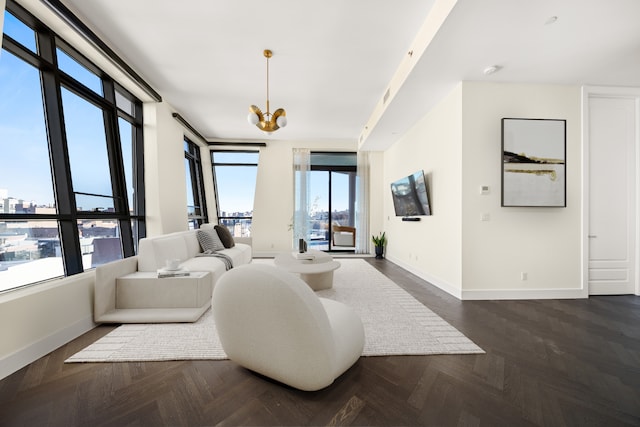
[(334, 60)]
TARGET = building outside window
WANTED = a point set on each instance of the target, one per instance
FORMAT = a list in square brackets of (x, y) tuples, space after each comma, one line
[(71, 189), (196, 202), (235, 175)]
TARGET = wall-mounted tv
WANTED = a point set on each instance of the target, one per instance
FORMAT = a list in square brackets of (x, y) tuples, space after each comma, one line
[(410, 196)]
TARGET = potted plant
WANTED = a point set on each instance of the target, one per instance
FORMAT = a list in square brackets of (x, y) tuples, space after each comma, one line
[(379, 241)]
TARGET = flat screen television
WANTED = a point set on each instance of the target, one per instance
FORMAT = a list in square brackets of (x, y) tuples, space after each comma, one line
[(410, 196)]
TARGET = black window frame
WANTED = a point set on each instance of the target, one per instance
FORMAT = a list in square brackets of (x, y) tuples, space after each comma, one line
[(225, 219), (192, 155), (131, 220)]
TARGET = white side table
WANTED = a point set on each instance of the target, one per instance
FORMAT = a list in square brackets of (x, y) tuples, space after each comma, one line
[(316, 272), (143, 289)]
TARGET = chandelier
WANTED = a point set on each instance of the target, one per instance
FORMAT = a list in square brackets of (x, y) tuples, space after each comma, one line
[(267, 122)]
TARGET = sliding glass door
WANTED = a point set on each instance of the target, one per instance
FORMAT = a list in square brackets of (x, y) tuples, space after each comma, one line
[(332, 202)]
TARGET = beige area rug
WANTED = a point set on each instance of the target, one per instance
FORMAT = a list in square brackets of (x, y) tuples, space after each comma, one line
[(395, 323)]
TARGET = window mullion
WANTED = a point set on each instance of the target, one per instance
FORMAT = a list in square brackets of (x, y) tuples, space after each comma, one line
[(114, 151), (138, 170), (63, 187)]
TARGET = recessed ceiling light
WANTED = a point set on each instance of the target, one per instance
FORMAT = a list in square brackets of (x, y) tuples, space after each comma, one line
[(491, 69), (551, 20)]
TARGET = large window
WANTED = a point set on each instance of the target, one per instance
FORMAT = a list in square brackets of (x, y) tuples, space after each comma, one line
[(235, 183), (71, 189), (196, 202)]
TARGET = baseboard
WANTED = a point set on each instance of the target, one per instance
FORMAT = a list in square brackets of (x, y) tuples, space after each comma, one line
[(493, 294), (29, 354), (522, 294)]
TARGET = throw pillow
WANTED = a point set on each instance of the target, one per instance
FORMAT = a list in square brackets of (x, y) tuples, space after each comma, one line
[(225, 236), (209, 240)]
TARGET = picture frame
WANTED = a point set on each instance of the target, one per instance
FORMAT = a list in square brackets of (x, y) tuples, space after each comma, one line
[(534, 162)]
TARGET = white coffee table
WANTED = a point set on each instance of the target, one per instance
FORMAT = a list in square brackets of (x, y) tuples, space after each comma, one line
[(316, 272)]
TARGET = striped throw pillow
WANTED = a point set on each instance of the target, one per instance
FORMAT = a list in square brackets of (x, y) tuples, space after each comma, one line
[(209, 240)]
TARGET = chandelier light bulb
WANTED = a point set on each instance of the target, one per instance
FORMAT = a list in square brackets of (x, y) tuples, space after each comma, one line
[(267, 122), (253, 118)]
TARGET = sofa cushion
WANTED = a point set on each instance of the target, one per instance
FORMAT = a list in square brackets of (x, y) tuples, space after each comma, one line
[(192, 243), (239, 254), (209, 240), (154, 252), (225, 236)]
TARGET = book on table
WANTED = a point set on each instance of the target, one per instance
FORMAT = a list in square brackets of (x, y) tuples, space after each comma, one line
[(162, 273), (303, 255)]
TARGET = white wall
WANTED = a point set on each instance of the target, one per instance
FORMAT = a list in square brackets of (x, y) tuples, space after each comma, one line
[(37, 320), (430, 248), (377, 181), (458, 144), (164, 171), (545, 243), (273, 201)]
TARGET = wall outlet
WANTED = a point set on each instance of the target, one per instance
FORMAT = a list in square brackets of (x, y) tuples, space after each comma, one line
[(523, 276)]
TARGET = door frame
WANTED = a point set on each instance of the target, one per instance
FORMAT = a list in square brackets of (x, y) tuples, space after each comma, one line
[(610, 92)]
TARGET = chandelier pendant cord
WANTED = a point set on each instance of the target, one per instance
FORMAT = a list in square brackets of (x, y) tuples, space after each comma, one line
[(267, 114)]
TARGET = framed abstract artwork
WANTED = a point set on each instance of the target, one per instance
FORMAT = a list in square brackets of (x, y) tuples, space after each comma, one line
[(534, 162)]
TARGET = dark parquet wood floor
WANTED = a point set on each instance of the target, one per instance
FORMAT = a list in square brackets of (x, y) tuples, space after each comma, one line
[(547, 363)]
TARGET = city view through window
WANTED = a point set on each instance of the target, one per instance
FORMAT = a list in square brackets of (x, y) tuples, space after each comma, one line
[(44, 235)]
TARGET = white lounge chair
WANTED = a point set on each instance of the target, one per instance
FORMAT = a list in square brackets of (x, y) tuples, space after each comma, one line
[(271, 322)]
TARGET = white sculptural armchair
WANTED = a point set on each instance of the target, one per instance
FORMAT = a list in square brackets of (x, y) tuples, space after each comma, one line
[(271, 322)]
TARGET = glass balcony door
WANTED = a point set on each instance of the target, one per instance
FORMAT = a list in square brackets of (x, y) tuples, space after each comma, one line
[(331, 211)]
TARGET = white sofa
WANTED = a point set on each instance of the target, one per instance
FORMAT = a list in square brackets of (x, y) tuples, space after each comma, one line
[(127, 291)]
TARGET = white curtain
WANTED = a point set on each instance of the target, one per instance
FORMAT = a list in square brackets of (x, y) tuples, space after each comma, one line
[(301, 179), (362, 203)]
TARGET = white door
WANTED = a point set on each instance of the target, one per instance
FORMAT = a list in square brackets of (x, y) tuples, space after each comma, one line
[(612, 195)]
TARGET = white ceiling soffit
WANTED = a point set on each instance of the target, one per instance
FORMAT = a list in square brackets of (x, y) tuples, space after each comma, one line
[(570, 42)]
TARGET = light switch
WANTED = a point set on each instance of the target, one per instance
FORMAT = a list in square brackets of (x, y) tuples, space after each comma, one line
[(484, 189)]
